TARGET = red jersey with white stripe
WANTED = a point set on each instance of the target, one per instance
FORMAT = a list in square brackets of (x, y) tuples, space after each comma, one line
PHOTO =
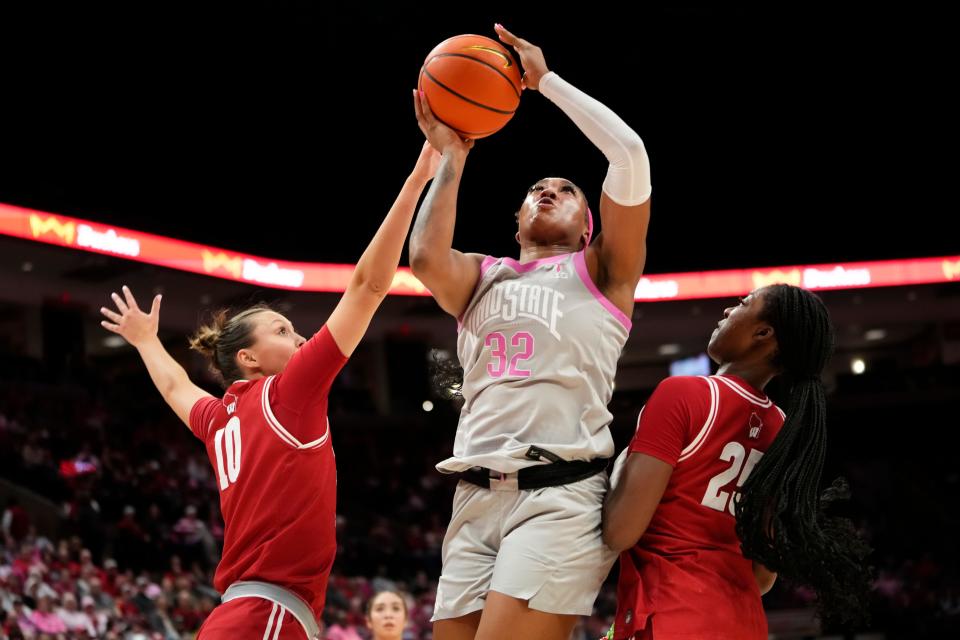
[(269, 443), (687, 577)]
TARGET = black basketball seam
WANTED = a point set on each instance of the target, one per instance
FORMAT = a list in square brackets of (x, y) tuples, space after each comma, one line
[(465, 98), (487, 64), (471, 133), (441, 120)]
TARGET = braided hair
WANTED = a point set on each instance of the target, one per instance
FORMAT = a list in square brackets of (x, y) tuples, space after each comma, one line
[(781, 516)]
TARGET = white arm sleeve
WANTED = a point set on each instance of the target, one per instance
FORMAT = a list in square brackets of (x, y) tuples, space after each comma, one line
[(628, 178)]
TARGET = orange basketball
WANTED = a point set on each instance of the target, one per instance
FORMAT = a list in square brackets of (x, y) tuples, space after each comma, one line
[(472, 84)]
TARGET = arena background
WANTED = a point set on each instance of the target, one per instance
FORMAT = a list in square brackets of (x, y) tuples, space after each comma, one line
[(780, 139)]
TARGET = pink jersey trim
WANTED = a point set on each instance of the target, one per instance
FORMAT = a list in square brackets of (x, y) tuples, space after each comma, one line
[(581, 265), (524, 267), (488, 261)]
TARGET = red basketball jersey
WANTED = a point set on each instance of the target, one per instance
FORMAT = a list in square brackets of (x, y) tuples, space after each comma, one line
[(269, 443), (686, 577)]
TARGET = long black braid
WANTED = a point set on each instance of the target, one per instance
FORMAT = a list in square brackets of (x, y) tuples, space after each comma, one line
[(781, 516), (447, 377)]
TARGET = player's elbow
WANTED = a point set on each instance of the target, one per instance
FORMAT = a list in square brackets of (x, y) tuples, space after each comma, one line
[(635, 148), (615, 535), (632, 154), (376, 286), (424, 263), (419, 260), (379, 287), (616, 541), (764, 577), (420, 253), (767, 585), (428, 251)]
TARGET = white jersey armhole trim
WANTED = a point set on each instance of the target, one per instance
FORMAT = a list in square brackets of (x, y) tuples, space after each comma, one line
[(639, 416), (692, 448), (278, 429)]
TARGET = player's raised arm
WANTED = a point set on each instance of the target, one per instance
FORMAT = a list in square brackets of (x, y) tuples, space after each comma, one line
[(140, 330)]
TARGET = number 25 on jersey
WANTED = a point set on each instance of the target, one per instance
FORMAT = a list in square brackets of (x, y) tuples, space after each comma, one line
[(741, 465)]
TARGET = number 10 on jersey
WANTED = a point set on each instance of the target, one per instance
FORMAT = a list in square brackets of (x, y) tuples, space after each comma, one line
[(227, 441)]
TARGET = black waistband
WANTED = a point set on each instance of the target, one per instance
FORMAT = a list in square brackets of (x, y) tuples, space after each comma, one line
[(542, 475)]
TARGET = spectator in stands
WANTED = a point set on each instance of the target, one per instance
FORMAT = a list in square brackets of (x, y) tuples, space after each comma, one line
[(387, 615), (76, 621), (44, 618)]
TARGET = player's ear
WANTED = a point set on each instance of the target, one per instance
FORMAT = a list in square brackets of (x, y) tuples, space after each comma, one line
[(246, 358)]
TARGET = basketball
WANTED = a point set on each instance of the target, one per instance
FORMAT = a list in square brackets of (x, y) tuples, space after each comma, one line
[(472, 84)]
